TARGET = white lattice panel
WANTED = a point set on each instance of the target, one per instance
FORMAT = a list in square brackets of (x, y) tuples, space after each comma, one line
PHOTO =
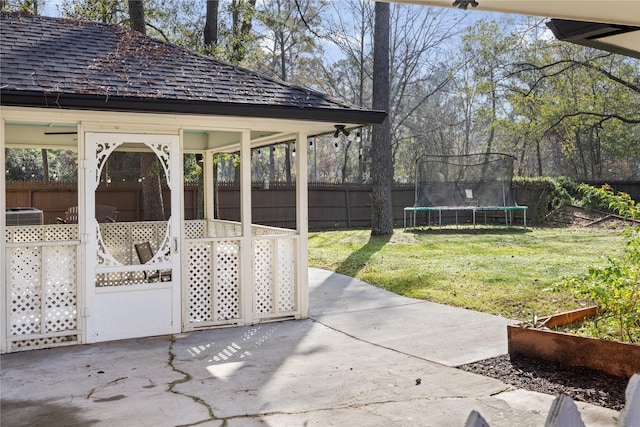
[(195, 229), (47, 342), (224, 229), (286, 266), (262, 230), (41, 233), (121, 279), (227, 280), (263, 276), (60, 233), (24, 234), (145, 232), (116, 240), (60, 290), (25, 290), (114, 244), (199, 294)]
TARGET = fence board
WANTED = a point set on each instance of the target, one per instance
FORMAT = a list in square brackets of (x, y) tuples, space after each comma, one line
[(331, 206)]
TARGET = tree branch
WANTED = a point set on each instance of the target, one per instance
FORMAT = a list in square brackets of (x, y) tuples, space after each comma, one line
[(603, 118)]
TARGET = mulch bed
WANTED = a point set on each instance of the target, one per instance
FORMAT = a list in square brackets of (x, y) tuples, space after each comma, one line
[(577, 216), (581, 384)]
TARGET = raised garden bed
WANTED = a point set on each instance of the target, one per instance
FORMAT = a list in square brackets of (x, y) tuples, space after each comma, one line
[(612, 357)]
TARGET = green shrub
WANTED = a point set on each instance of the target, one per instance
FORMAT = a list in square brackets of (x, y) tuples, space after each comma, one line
[(544, 194), (603, 197), (615, 288)]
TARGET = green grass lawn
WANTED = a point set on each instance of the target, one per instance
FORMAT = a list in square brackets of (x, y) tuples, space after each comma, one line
[(498, 271)]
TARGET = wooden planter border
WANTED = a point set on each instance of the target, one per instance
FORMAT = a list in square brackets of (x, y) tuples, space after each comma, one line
[(611, 357)]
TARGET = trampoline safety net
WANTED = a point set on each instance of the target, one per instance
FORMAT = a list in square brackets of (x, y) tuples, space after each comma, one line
[(472, 180)]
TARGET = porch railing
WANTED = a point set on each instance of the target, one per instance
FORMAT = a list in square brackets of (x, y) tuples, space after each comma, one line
[(42, 277), (42, 292), (214, 288)]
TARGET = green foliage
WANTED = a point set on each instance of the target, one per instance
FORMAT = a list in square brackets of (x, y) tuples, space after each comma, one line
[(615, 287), (110, 11), (27, 164), (604, 198), (559, 191)]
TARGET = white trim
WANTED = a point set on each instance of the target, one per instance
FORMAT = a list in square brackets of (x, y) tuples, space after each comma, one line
[(302, 221), (4, 271), (246, 241), (163, 123), (81, 272), (169, 295)]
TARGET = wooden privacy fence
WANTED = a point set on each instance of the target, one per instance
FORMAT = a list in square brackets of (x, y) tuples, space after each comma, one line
[(331, 206)]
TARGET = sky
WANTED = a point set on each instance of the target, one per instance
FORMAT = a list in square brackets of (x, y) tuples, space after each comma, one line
[(50, 8)]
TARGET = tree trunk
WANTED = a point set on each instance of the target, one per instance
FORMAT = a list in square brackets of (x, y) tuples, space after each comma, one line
[(345, 161), (211, 25), (382, 166), (152, 201), (287, 162), (241, 24), (272, 164), (136, 15), (45, 164)]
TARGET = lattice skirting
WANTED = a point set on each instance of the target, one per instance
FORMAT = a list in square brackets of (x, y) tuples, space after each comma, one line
[(40, 343)]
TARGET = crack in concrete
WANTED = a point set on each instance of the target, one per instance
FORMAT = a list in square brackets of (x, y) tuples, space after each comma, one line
[(185, 379), (505, 390), (363, 406), (224, 420), (395, 350)]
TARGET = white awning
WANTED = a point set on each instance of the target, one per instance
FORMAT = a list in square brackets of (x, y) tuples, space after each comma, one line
[(616, 12)]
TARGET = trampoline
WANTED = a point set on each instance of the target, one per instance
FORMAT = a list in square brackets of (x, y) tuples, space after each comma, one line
[(472, 182)]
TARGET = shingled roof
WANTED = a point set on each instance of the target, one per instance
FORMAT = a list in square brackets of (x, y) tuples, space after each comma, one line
[(65, 63)]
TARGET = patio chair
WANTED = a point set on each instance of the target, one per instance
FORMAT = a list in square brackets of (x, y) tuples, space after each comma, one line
[(145, 254), (104, 213), (70, 216)]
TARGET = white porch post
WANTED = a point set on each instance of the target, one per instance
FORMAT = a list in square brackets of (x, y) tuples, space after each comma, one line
[(87, 170), (85, 264), (4, 304), (302, 221), (246, 243), (208, 178)]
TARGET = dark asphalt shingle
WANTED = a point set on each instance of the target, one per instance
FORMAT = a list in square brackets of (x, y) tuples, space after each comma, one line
[(64, 56)]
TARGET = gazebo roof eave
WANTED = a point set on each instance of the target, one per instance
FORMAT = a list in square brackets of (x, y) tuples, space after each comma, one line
[(58, 100)]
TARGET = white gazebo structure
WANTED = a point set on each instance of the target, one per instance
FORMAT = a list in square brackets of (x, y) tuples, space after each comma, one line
[(99, 90)]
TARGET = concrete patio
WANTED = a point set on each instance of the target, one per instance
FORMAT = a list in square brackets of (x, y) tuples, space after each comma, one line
[(366, 357)]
